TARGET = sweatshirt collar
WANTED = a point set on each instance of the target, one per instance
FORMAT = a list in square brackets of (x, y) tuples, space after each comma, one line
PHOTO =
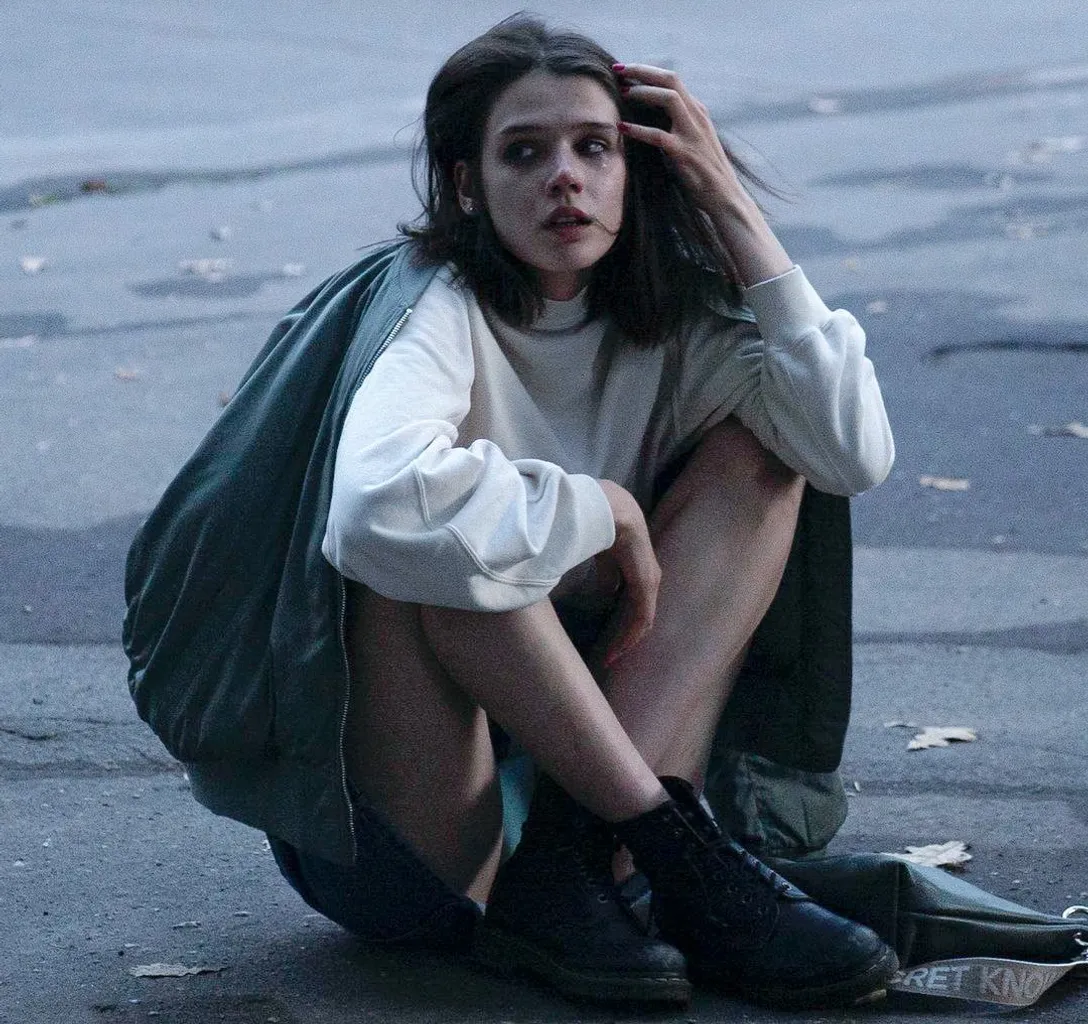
[(563, 314)]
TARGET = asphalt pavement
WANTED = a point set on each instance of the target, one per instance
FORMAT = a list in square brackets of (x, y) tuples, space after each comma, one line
[(172, 179)]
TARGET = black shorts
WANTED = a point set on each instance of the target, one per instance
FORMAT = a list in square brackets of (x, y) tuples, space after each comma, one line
[(388, 896)]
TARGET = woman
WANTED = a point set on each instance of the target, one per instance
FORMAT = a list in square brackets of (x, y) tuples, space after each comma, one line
[(513, 431), (494, 495)]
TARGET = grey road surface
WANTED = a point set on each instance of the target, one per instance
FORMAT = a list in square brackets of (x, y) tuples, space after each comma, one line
[(174, 176)]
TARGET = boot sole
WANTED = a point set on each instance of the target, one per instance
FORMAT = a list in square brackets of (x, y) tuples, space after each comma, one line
[(507, 955), (863, 986)]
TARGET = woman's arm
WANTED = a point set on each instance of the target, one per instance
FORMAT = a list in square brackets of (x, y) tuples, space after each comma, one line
[(799, 380), (693, 145), (417, 518), (803, 386)]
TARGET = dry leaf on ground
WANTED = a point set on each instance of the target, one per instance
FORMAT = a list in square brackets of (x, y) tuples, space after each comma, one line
[(1025, 230), (170, 970), (952, 855), (1075, 429), (32, 264), (945, 483), (1041, 151), (210, 270), (941, 736)]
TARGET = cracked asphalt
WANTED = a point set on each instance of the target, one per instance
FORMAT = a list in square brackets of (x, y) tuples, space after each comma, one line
[(936, 161)]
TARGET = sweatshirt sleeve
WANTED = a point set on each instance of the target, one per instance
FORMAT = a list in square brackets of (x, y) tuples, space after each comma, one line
[(800, 381), (417, 518)]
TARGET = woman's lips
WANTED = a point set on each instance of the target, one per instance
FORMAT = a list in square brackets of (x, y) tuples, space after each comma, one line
[(568, 223), (565, 216)]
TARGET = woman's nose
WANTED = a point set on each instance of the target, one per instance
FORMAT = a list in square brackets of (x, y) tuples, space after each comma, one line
[(564, 175)]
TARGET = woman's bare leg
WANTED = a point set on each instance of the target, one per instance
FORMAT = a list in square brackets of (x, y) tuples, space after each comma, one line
[(417, 742), (418, 747), (722, 534), (523, 668)]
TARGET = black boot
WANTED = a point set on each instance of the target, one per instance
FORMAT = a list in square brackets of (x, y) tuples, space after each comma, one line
[(554, 913), (741, 925)]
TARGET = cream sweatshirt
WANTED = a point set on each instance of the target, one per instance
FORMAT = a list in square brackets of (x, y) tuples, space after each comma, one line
[(466, 473)]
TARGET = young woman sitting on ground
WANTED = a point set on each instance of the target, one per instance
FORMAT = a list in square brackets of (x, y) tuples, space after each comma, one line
[(514, 561)]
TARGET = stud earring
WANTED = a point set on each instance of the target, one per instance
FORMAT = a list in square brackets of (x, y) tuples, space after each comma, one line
[(468, 205)]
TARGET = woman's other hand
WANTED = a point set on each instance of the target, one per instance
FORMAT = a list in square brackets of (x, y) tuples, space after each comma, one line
[(632, 556), (693, 145)]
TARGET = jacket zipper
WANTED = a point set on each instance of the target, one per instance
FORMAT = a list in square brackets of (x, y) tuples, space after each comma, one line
[(393, 332)]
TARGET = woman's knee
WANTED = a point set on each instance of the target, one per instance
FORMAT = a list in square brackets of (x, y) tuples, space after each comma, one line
[(730, 474), (729, 453)]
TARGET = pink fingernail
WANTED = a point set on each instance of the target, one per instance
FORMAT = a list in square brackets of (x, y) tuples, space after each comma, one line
[(619, 68), (623, 128)]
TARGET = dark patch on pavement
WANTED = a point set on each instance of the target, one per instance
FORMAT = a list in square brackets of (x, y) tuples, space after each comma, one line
[(231, 286), (139, 766), (56, 325), (17, 325), (222, 1009), (1053, 637), (1021, 217), (942, 92), (67, 748), (936, 177), (97, 184), (932, 325), (34, 733), (1011, 345), (957, 786), (72, 582)]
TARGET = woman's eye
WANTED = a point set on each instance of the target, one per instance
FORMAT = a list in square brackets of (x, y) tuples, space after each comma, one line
[(594, 147), (519, 152)]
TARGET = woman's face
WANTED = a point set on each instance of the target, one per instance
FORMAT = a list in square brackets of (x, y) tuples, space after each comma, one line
[(553, 176)]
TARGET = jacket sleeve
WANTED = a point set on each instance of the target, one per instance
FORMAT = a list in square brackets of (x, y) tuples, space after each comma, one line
[(417, 518), (800, 381)]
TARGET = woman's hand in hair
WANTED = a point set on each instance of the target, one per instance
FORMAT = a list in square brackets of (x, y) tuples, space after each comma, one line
[(632, 557), (704, 166)]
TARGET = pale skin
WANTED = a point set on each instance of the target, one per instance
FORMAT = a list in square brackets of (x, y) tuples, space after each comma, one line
[(698, 573)]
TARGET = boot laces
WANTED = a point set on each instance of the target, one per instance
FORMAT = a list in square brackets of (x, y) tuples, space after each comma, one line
[(718, 843), (754, 866), (591, 858)]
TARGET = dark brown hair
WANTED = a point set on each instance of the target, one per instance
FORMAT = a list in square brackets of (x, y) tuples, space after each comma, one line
[(667, 261)]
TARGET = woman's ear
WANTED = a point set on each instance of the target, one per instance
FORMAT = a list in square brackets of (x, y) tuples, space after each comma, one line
[(465, 183)]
